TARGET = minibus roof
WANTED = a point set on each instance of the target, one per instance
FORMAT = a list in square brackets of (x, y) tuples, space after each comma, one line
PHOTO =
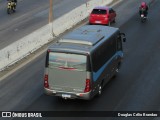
[(84, 39), (88, 34)]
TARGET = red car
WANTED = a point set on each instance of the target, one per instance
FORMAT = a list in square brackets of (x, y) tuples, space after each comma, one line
[(102, 15)]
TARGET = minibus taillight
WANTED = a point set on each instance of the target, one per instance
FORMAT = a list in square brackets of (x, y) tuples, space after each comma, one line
[(46, 85), (88, 85)]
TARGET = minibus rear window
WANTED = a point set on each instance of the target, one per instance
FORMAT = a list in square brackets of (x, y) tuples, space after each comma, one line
[(67, 61)]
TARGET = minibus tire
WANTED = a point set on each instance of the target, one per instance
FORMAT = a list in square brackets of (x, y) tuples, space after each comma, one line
[(118, 67)]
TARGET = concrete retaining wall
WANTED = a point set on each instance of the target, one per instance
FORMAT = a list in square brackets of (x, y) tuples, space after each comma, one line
[(28, 44)]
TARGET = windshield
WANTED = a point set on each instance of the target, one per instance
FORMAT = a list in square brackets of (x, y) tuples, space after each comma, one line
[(67, 61), (99, 11)]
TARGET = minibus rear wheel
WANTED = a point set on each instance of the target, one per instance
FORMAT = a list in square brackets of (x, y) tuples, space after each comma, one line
[(100, 90)]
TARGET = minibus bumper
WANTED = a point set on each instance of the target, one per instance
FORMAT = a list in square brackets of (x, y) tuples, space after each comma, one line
[(68, 95)]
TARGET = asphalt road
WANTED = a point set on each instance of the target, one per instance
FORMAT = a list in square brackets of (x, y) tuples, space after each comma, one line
[(30, 15), (136, 88)]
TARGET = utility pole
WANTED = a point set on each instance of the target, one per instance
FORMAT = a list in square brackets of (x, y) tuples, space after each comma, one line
[(50, 18), (50, 11)]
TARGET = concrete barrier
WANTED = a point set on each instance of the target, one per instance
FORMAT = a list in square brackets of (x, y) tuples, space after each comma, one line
[(28, 44)]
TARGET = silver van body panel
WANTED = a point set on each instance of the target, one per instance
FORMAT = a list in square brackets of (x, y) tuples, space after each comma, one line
[(67, 80)]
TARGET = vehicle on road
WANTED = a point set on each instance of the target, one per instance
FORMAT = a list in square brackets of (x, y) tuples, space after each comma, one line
[(11, 6), (83, 61), (143, 11), (142, 16), (102, 15)]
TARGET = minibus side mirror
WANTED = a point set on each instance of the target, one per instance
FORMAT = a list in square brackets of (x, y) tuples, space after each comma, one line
[(124, 39), (123, 36)]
